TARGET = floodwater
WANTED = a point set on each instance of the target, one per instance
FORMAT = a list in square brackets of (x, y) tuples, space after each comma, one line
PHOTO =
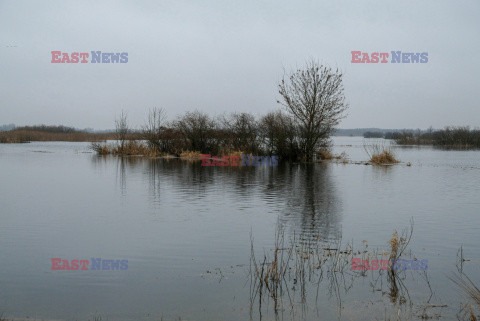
[(187, 233)]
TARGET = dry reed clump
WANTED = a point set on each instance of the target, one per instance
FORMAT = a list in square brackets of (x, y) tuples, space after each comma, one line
[(191, 155), (380, 154), (386, 157), (238, 153), (13, 140), (398, 244), (394, 245), (26, 136), (468, 287), (101, 149), (472, 314), (325, 154), (129, 148)]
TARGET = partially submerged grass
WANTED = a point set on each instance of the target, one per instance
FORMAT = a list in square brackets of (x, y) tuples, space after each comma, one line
[(293, 270), (380, 154), (469, 288), (101, 149), (325, 154), (386, 157), (129, 148), (189, 155)]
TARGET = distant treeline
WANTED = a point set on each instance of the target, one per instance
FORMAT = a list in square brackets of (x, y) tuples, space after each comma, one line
[(373, 135), (456, 137), (48, 129), (461, 137), (388, 135), (27, 134), (362, 131)]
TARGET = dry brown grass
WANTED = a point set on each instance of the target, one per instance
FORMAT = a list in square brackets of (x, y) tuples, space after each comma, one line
[(385, 157), (325, 154), (394, 245), (238, 153), (467, 286), (26, 136), (472, 314), (130, 148), (380, 154), (191, 155), (101, 149)]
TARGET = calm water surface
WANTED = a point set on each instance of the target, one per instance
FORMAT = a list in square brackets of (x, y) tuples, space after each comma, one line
[(186, 232)]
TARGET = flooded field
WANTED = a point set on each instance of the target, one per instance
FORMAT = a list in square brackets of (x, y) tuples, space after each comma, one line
[(197, 238)]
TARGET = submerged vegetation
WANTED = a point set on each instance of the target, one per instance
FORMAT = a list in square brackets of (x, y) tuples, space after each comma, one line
[(380, 154), (195, 133), (470, 291), (385, 157), (288, 278)]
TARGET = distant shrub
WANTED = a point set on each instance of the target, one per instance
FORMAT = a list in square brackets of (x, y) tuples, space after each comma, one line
[(392, 135), (373, 135), (455, 137)]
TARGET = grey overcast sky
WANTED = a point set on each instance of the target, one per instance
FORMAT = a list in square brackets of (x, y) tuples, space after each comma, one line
[(224, 56)]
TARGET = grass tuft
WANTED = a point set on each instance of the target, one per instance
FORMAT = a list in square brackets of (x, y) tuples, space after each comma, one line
[(380, 154), (467, 286), (191, 155), (385, 157), (129, 148)]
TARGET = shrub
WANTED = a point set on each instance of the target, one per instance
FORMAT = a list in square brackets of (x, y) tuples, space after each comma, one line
[(380, 154), (385, 157)]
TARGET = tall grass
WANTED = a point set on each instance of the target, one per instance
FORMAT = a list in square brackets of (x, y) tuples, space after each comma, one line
[(380, 154), (26, 136), (128, 148), (289, 272), (467, 286)]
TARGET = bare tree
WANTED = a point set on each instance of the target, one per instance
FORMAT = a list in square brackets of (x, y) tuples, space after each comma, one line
[(315, 97), (121, 129), (198, 130), (243, 132), (152, 130), (279, 134)]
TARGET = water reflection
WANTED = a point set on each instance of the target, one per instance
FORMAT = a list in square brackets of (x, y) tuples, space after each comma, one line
[(306, 204), (312, 207), (176, 222), (303, 195)]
